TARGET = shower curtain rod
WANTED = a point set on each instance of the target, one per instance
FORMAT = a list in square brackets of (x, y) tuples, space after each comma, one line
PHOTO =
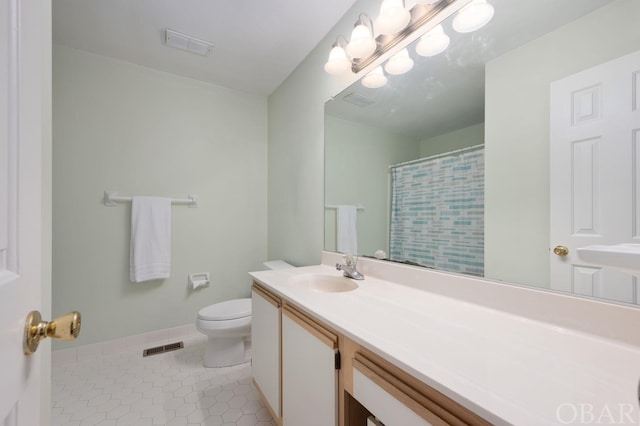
[(433, 157)]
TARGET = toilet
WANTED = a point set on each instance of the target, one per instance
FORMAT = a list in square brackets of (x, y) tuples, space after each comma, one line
[(228, 326)]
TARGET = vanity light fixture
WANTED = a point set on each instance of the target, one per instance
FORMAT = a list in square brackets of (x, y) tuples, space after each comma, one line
[(363, 49), (473, 16), (399, 63), (433, 42), (362, 43), (338, 62), (393, 17), (374, 79), (188, 43)]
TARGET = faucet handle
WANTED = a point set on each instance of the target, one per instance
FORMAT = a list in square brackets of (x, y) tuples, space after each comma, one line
[(349, 260)]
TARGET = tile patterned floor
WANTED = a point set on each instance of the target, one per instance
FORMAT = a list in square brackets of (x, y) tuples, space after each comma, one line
[(165, 389)]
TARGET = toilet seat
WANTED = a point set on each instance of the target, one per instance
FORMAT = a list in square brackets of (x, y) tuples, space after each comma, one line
[(224, 311)]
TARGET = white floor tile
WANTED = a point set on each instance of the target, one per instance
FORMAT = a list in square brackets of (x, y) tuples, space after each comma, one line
[(121, 388)]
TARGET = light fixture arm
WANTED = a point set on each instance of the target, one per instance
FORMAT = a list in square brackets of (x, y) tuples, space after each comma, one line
[(341, 41), (361, 21)]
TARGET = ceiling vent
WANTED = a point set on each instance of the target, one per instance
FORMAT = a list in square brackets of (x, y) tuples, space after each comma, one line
[(188, 43), (358, 99)]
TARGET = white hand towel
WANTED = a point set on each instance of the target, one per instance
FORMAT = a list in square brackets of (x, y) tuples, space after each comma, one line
[(347, 238), (150, 252)]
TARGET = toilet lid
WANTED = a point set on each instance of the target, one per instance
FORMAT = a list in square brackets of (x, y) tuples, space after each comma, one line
[(231, 309)]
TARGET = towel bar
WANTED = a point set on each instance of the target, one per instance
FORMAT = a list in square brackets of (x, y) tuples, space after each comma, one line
[(331, 206), (111, 199)]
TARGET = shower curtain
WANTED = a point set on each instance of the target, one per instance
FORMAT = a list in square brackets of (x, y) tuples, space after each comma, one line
[(437, 212)]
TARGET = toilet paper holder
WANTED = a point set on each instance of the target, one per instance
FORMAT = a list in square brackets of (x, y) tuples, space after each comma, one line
[(198, 279)]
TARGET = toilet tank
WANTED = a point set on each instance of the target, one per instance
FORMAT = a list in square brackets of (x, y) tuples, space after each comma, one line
[(277, 264)]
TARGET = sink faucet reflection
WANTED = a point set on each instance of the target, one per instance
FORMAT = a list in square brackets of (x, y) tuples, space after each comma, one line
[(349, 268)]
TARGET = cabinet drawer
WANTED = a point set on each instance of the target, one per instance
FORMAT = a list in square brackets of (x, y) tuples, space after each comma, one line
[(383, 404), (398, 399)]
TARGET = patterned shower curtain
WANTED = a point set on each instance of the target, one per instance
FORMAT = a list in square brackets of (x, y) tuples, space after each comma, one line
[(437, 212)]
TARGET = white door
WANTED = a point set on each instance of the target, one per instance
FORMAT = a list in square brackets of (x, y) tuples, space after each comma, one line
[(595, 174), (25, 67)]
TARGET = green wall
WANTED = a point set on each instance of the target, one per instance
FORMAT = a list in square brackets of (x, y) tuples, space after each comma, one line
[(296, 150), (458, 139), (357, 160), (126, 128)]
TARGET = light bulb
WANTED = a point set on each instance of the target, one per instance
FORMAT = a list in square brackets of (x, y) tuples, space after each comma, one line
[(399, 63), (338, 61), (393, 17), (362, 43), (433, 42), (473, 16), (374, 79)]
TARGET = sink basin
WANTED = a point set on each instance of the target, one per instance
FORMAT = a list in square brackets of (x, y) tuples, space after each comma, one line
[(326, 283)]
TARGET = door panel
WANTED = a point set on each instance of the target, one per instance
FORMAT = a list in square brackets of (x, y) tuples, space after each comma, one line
[(585, 177), (595, 181), (25, 67), (636, 184)]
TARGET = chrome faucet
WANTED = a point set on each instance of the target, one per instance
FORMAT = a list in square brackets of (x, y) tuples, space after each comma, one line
[(349, 268)]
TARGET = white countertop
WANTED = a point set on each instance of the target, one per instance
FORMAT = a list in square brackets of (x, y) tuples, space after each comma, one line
[(507, 368)]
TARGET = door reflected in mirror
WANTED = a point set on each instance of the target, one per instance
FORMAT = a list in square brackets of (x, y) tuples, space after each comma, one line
[(487, 95)]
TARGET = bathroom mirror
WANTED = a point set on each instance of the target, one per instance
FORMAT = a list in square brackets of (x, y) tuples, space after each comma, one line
[(484, 100)]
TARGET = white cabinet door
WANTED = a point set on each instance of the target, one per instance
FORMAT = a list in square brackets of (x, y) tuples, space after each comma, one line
[(265, 347), (309, 376), (595, 174)]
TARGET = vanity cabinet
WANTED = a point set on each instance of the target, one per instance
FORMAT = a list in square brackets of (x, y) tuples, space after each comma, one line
[(265, 347), (309, 374), (293, 362), (378, 388)]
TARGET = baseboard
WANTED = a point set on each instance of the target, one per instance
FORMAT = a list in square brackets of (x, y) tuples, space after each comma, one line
[(152, 338)]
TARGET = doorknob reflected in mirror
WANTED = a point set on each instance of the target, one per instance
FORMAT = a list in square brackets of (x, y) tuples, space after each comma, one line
[(65, 327), (560, 250)]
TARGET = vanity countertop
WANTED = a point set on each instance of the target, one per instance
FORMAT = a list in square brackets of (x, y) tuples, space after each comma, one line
[(507, 368)]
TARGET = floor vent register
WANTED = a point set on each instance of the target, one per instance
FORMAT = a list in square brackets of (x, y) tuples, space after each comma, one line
[(162, 349)]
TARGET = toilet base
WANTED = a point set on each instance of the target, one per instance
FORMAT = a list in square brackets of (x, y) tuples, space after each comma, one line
[(224, 352)]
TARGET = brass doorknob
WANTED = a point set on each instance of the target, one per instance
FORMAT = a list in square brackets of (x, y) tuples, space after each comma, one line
[(560, 250), (65, 327)]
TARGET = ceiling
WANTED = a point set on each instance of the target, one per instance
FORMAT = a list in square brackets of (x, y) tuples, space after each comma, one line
[(257, 44), (446, 92)]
